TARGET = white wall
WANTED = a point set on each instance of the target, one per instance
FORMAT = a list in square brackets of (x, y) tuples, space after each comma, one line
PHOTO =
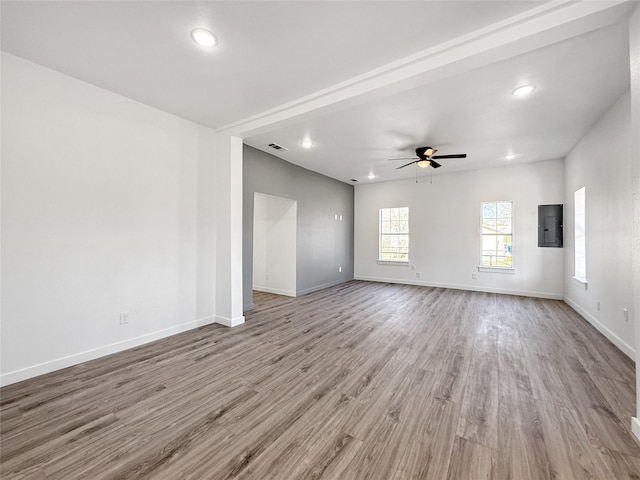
[(444, 225), (106, 207), (274, 244), (324, 223), (634, 90), (601, 162)]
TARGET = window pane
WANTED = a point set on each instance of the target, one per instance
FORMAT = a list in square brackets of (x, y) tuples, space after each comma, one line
[(504, 209), (488, 242), (394, 234), (580, 248), (489, 226), (496, 243), (488, 210), (503, 225)]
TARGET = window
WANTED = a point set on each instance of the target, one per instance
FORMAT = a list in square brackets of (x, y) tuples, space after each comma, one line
[(580, 251), (394, 234), (497, 234)]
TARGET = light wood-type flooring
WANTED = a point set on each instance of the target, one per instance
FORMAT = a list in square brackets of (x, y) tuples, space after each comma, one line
[(359, 381)]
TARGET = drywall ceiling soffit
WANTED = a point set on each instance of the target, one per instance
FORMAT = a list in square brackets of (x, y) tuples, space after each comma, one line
[(270, 53), (578, 60)]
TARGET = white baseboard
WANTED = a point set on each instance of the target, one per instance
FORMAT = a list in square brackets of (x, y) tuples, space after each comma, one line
[(77, 358), (276, 291), (617, 341), (230, 322), (472, 288), (635, 427), (322, 287)]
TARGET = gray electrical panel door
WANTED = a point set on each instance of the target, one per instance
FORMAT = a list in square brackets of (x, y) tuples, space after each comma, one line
[(550, 226)]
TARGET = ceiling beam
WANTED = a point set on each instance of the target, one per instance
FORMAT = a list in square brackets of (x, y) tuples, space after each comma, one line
[(544, 25)]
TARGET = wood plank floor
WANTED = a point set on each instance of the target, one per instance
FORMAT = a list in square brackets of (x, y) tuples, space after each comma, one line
[(360, 381)]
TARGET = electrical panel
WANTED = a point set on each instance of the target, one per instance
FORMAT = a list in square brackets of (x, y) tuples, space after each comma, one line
[(550, 226)]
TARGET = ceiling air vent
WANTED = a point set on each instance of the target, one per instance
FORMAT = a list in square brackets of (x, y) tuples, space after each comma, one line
[(354, 179), (275, 146)]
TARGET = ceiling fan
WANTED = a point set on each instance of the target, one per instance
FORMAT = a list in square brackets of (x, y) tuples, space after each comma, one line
[(425, 157)]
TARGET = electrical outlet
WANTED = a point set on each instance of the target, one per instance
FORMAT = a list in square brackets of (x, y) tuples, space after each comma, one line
[(266, 276), (598, 306), (124, 318), (339, 269), (340, 217), (474, 276), (418, 275), (625, 313), (335, 217), (413, 267)]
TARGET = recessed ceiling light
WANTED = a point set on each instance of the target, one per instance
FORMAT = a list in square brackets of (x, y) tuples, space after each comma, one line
[(204, 37), (371, 176), (523, 90), (306, 143), (511, 156)]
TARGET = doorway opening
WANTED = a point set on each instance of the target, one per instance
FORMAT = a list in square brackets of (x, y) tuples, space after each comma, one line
[(274, 244)]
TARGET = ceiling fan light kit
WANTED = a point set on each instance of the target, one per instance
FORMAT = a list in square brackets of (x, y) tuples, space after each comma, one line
[(425, 157)]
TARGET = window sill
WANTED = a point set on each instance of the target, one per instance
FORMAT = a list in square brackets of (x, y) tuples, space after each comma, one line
[(581, 282), (393, 262), (496, 269)]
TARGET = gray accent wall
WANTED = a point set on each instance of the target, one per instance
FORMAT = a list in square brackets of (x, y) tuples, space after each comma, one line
[(323, 243)]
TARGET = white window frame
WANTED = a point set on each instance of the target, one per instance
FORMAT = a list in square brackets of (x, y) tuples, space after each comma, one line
[(579, 237), (496, 268), (381, 234)]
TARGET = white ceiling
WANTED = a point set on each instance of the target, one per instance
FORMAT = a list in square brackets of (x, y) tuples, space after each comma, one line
[(273, 53), (475, 113)]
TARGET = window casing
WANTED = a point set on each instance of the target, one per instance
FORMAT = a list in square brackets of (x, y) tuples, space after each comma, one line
[(496, 250), (580, 247), (393, 244)]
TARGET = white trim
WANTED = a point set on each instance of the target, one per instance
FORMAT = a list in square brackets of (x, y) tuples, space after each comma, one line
[(277, 291), (635, 427), (496, 269), (394, 262), (581, 282), (230, 322), (77, 358), (613, 338), (471, 288), (485, 269), (323, 286), (397, 234)]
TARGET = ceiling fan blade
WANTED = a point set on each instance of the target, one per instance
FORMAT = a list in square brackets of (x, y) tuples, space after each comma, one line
[(410, 163), (458, 155), (435, 164), (402, 158)]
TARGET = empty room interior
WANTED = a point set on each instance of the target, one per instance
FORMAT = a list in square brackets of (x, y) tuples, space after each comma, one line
[(381, 240)]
